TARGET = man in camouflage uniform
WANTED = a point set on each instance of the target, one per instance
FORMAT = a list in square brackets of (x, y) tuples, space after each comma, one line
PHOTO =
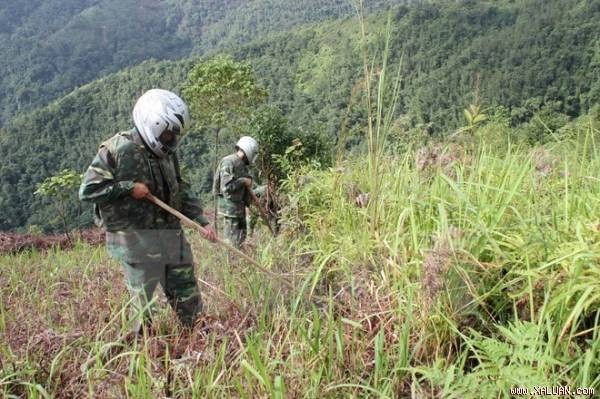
[(232, 184), (148, 241)]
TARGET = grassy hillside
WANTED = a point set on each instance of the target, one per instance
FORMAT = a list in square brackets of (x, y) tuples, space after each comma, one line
[(472, 271)]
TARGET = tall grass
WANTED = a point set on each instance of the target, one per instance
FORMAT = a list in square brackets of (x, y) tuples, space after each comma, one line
[(381, 94), (482, 276), (499, 246)]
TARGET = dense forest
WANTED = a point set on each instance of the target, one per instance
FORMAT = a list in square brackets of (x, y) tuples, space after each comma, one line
[(520, 59), (41, 61)]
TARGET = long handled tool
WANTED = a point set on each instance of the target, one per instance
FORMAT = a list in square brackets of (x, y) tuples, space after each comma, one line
[(202, 230), (261, 210)]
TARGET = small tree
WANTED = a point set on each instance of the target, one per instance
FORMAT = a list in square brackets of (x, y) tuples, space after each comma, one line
[(281, 144), (61, 190), (221, 93)]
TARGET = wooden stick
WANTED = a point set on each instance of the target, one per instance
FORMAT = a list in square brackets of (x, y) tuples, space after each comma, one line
[(202, 230), (223, 295), (261, 210)]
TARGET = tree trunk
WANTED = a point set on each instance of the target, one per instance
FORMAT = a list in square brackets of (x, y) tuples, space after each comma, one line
[(216, 163)]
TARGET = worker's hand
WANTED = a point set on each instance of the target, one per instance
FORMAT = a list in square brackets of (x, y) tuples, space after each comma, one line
[(210, 234), (140, 190), (246, 181)]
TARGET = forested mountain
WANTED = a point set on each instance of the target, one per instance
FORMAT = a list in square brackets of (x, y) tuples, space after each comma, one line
[(524, 58), (49, 47)]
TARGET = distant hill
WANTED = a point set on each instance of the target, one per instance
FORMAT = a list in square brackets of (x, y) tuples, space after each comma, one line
[(50, 47)]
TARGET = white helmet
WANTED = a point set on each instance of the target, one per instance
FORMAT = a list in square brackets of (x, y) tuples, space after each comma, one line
[(250, 148), (157, 112)]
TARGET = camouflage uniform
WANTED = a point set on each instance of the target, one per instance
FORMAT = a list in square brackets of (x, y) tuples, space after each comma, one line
[(147, 241), (233, 197)]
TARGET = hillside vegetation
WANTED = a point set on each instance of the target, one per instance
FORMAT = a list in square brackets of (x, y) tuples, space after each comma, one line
[(529, 60), (473, 270), (50, 47)]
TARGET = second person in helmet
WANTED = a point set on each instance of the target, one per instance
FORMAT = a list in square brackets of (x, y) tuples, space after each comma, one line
[(232, 184)]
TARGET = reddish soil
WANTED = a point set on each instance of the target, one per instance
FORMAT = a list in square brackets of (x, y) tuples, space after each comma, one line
[(13, 242)]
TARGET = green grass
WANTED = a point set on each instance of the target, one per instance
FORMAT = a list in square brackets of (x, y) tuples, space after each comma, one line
[(481, 274)]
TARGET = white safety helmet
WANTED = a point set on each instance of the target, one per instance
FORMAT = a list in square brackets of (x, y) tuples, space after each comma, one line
[(161, 118), (250, 148)]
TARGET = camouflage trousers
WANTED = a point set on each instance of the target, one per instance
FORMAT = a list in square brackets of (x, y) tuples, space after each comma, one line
[(177, 281), (234, 230)]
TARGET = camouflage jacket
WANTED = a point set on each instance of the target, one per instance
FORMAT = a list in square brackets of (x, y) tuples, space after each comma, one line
[(232, 193), (137, 230)]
